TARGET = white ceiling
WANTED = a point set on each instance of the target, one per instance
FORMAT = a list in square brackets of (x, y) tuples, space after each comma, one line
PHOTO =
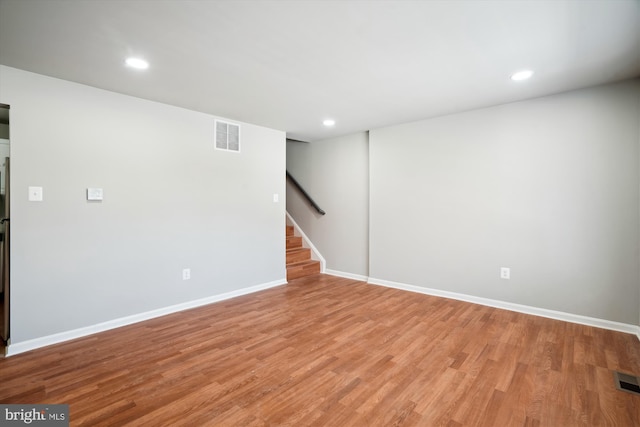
[(290, 64)]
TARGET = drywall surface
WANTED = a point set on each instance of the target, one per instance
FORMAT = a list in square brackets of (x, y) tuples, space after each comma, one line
[(335, 172), (548, 188), (171, 201)]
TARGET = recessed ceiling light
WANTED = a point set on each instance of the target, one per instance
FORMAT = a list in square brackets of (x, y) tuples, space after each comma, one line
[(521, 75), (329, 122), (137, 63)]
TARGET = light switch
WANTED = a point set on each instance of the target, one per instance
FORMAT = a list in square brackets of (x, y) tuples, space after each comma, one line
[(275, 197), (94, 193), (35, 194)]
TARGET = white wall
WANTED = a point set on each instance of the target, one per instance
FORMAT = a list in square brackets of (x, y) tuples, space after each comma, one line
[(335, 172), (548, 187), (170, 202)]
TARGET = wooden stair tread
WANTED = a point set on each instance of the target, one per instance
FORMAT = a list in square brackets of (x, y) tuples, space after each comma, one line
[(297, 249), (302, 268), (303, 263), (294, 242), (298, 254)]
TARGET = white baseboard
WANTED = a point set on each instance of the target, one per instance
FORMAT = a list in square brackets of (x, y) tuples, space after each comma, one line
[(543, 312), (346, 275), (315, 253), (35, 343)]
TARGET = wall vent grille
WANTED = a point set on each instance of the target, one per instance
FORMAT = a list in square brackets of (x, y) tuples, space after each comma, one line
[(227, 136)]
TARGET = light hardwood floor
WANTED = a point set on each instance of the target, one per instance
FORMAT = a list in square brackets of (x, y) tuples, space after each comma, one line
[(327, 351)]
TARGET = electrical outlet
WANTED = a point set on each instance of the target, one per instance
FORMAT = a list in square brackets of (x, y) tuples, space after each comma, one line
[(505, 273), (186, 274)]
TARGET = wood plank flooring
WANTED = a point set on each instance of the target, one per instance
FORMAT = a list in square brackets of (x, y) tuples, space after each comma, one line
[(327, 351)]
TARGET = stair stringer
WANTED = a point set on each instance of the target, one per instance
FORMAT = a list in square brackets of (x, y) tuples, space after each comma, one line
[(306, 243)]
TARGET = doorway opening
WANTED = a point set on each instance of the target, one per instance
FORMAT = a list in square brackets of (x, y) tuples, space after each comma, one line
[(5, 298)]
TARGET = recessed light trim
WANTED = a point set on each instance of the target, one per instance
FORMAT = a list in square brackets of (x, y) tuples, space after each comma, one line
[(521, 75), (329, 122), (137, 63)]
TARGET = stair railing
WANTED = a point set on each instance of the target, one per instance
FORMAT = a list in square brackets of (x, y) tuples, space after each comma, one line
[(305, 194)]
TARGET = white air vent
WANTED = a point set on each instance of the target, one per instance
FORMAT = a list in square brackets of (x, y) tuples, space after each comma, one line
[(227, 136)]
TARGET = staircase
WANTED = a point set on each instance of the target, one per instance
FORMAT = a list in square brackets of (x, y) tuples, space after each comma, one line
[(299, 262)]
